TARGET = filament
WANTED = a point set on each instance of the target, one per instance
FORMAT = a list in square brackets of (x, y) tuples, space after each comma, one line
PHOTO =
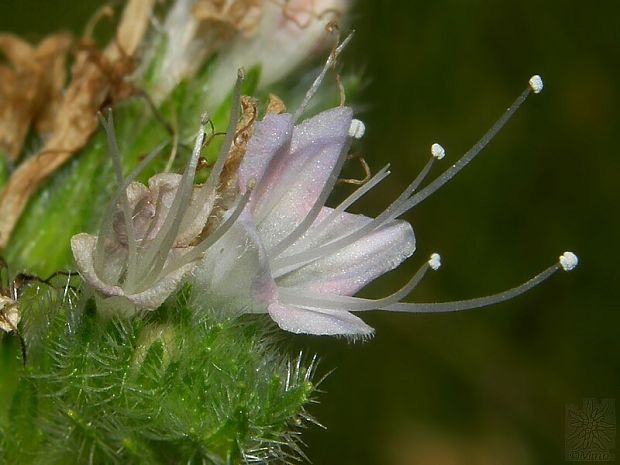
[(196, 252), (332, 247), (467, 304), (331, 60), (302, 227), (304, 298)]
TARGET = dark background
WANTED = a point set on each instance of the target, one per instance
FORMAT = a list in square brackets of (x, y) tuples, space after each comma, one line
[(487, 386)]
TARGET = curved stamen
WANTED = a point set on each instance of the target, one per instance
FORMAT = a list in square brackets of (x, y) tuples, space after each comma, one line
[(302, 227), (355, 196), (403, 204), (331, 61), (304, 298), (156, 251), (106, 224), (108, 126), (534, 85), (567, 262), (303, 258), (196, 252)]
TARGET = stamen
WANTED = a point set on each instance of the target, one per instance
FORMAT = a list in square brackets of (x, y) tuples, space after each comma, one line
[(212, 238), (304, 298), (118, 170), (301, 258), (331, 61), (302, 227), (471, 153), (356, 195), (357, 129), (106, 225), (156, 251), (459, 305)]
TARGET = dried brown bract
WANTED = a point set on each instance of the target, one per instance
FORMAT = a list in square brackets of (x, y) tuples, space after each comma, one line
[(32, 80), (228, 17), (97, 79)]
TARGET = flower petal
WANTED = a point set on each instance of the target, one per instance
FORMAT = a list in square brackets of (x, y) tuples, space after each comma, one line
[(83, 247), (357, 264), (316, 146), (156, 295), (320, 322), (266, 155), (235, 271)]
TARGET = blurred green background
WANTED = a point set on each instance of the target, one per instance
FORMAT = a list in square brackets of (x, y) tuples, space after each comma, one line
[(487, 386)]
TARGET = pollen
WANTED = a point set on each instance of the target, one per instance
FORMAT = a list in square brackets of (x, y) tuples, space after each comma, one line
[(357, 129), (568, 261), (438, 151), (435, 261), (536, 83)]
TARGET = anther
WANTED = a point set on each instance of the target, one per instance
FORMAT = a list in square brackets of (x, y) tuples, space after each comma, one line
[(438, 151), (357, 129), (568, 261), (536, 83), (435, 261)]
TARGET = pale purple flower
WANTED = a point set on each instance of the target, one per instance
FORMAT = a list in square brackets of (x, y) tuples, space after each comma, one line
[(287, 34), (302, 262), (276, 36)]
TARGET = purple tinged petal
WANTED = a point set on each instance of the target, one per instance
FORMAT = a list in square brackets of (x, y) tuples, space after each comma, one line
[(316, 145), (356, 265), (266, 155), (320, 322)]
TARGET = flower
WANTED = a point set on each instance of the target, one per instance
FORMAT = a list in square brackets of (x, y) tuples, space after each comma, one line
[(287, 34), (302, 262), (242, 33), (151, 237)]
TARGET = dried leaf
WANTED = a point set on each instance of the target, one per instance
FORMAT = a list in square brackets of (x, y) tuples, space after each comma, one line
[(97, 78), (31, 87), (275, 105)]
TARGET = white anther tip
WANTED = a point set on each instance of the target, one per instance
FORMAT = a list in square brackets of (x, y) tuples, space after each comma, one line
[(435, 261), (357, 129), (568, 261), (438, 151), (536, 83)]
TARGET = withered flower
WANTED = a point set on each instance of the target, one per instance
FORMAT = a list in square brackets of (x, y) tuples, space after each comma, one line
[(151, 236)]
